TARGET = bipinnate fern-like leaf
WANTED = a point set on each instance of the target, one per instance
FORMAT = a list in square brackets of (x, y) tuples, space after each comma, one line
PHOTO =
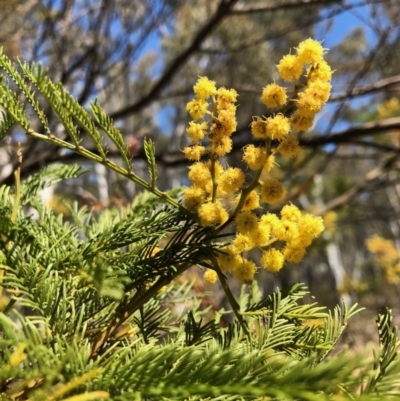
[(112, 132), (150, 150)]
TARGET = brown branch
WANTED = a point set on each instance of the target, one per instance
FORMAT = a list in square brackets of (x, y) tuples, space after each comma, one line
[(224, 8), (285, 6), (366, 89)]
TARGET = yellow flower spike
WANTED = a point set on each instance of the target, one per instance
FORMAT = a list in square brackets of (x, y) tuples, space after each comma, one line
[(245, 271), (212, 213), (272, 191), (274, 96), (259, 128), (290, 68), (246, 222), (194, 152), (278, 126), (302, 120), (228, 258), (199, 174), (255, 157), (272, 260), (289, 147), (310, 52), (193, 198), (243, 243), (204, 88), (197, 108), (232, 180), (197, 131), (210, 276), (251, 202)]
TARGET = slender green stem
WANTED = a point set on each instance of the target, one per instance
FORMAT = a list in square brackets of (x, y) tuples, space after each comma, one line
[(108, 163)]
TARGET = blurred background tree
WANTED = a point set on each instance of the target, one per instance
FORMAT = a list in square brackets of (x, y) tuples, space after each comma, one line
[(141, 59)]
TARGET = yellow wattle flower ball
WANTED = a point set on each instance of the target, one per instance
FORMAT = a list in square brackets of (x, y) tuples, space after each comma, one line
[(245, 271), (220, 147), (272, 191), (310, 51), (194, 152), (289, 147), (197, 108), (278, 127), (246, 222), (302, 120), (291, 213), (193, 198), (212, 214), (255, 157), (274, 96), (272, 260), (290, 68), (228, 258), (259, 128), (232, 180), (199, 174), (210, 276), (251, 202), (322, 71), (294, 254), (204, 88), (243, 243), (197, 131)]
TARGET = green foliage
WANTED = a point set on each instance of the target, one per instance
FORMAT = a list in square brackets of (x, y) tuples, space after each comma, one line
[(90, 308)]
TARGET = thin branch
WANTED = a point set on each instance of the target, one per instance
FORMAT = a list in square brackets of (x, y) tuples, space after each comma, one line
[(224, 9)]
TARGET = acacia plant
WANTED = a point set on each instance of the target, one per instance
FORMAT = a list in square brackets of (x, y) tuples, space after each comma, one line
[(85, 301)]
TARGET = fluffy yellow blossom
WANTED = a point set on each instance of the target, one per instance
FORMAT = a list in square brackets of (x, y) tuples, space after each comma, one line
[(259, 128), (272, 260), (251, 202), (312, 225), (243, 243), (197, 108), (193, 198), (228, 258), (226, 123), (278, 126), (226, 96), (272, 191), (290, 68), (289, 147), (246, 222), (245, 271), (302, 120), (315, 96), (310, 51), (322, 71), (196, 131), (194, 152), (220, 147), (269, 163), (291, 213), (211, 276), (286, 231), (254, 157), (274, 96), (232, 180), (293, 254), (260, 235), (212, 214), (271, 221), (199, 174), (204, 88)]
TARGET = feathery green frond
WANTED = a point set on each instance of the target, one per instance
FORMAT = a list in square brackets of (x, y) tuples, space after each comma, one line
[(112, 132), (150, 150)]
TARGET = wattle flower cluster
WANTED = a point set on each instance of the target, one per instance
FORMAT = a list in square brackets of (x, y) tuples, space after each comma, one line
[(280, 238)]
